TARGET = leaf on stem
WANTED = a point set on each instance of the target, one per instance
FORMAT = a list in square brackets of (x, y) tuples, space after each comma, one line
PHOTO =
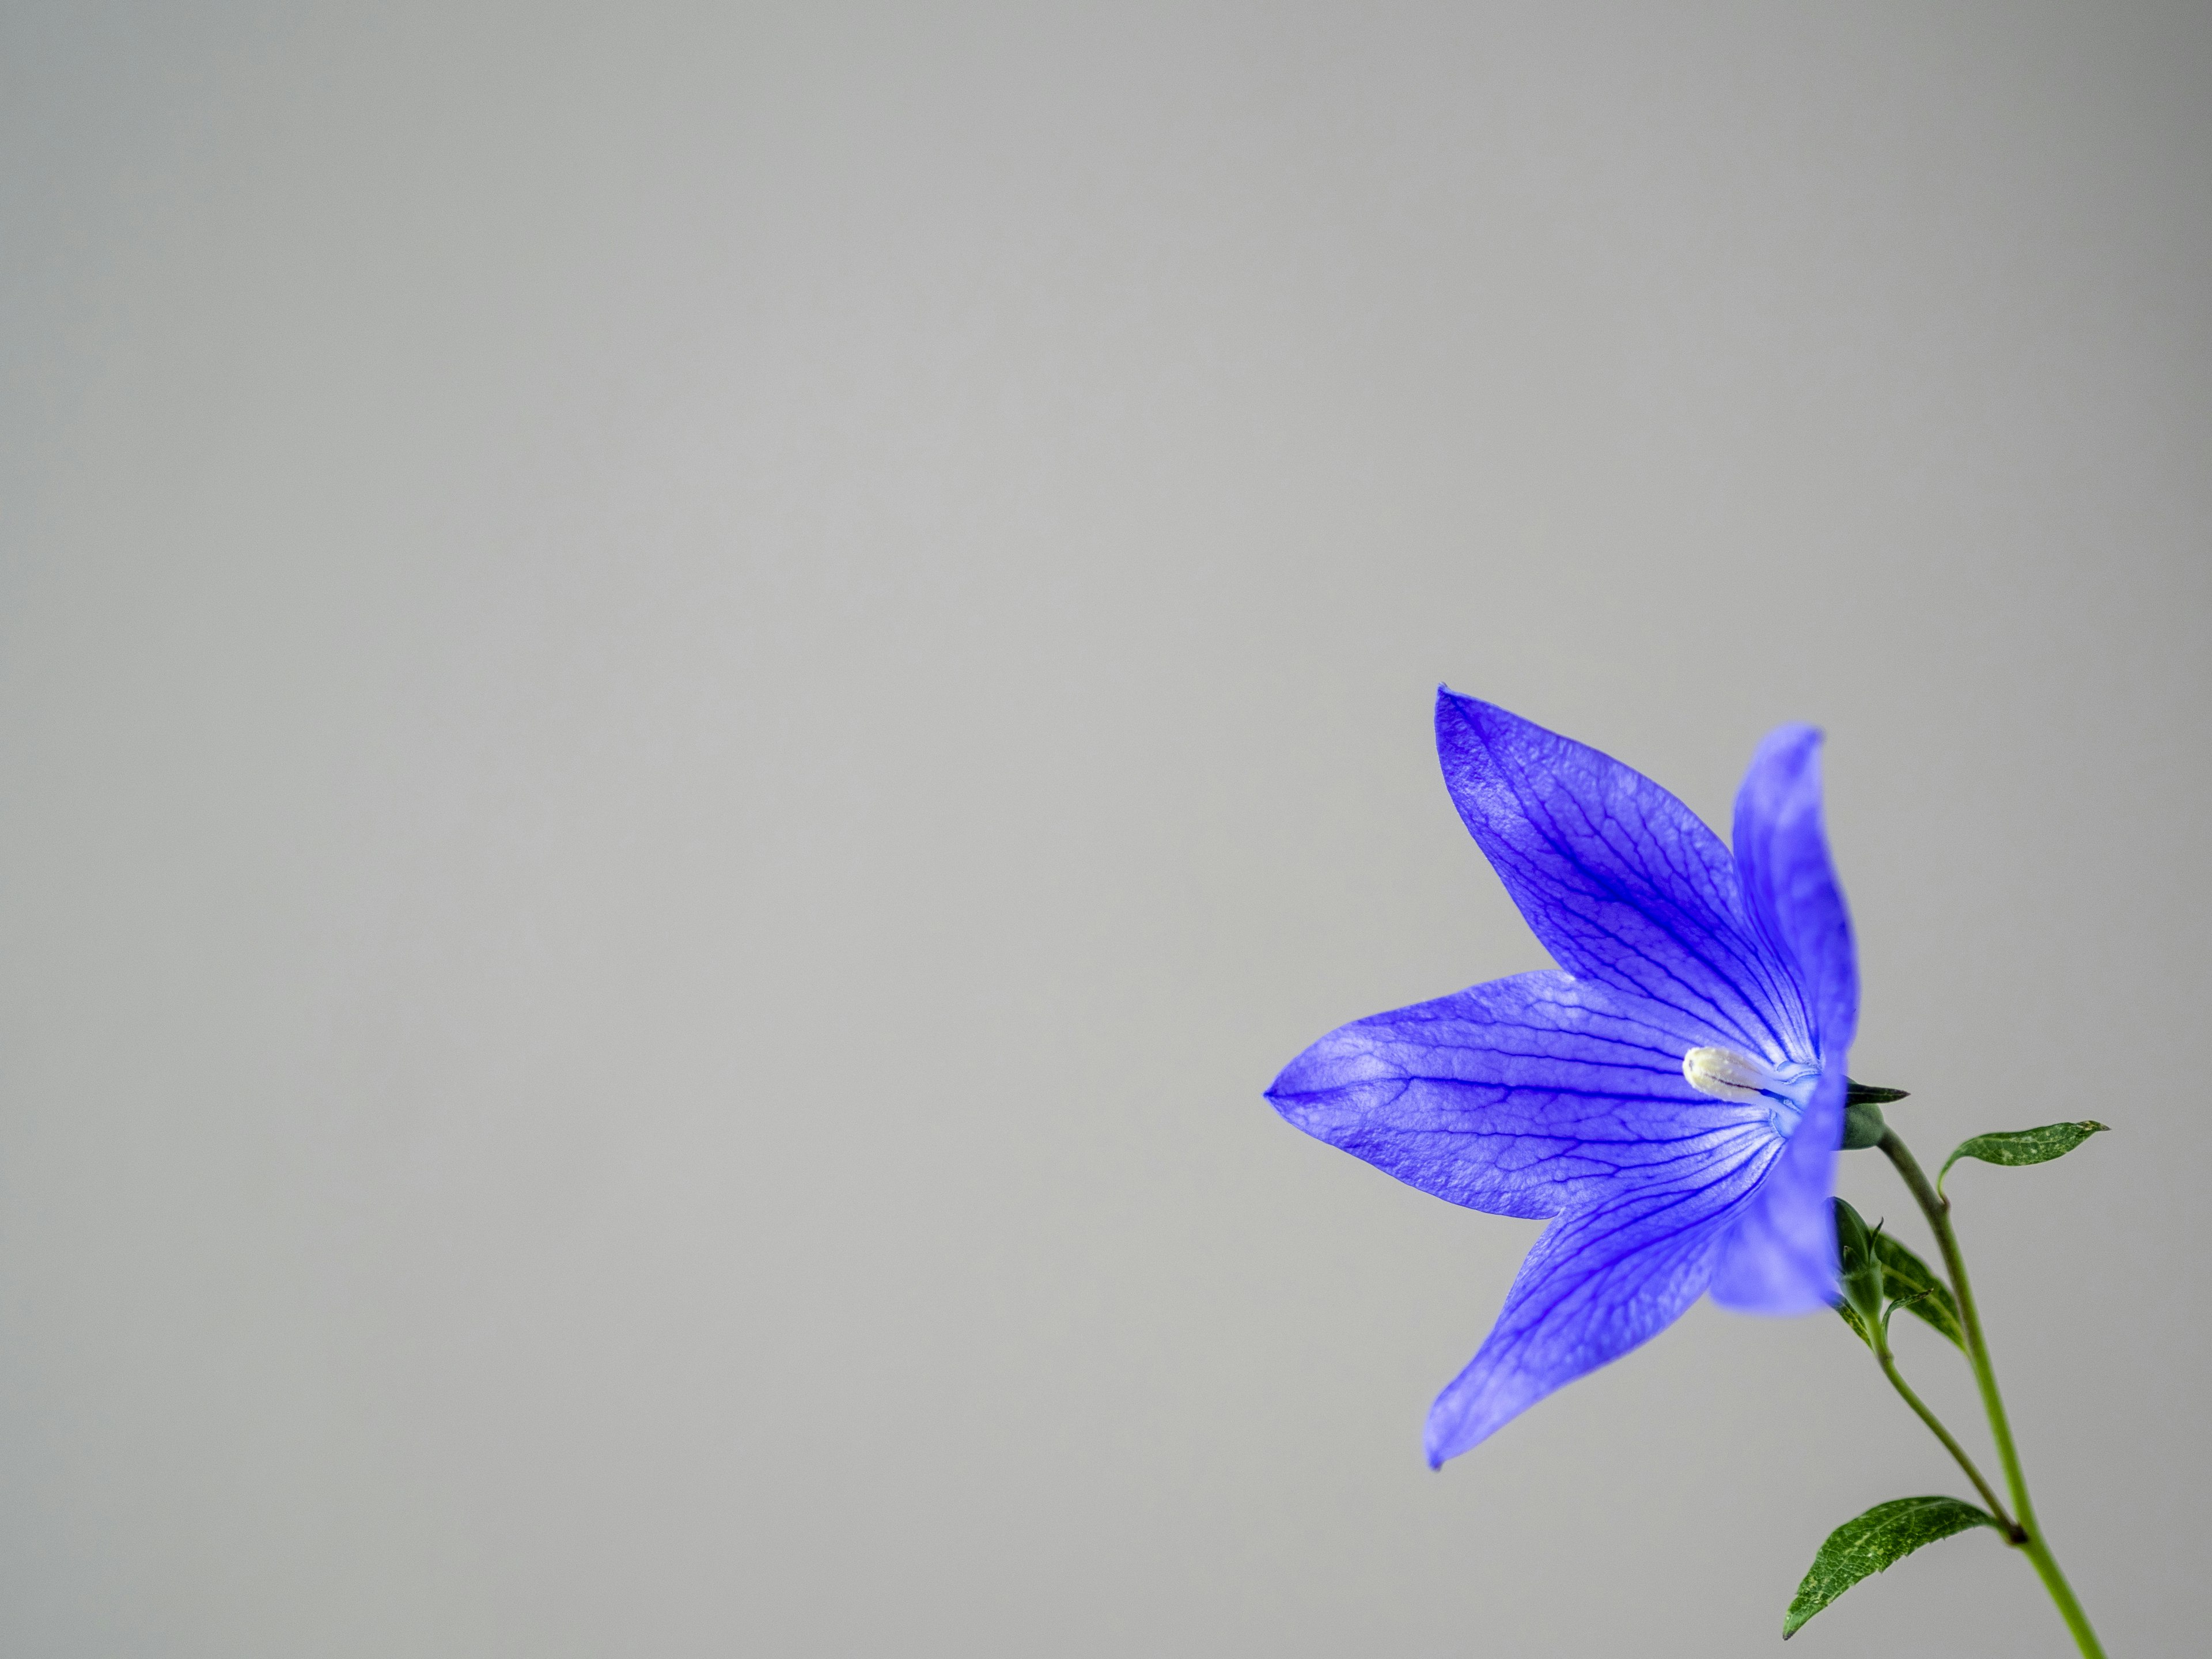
[(1851, 1317), (1917, 1289), (2017, 1147), (1887, 1533)]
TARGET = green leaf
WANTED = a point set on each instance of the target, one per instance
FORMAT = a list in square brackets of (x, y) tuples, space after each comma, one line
[(1886, 1534), (1850, 1318), (2017, 1147), (1917, 1289)]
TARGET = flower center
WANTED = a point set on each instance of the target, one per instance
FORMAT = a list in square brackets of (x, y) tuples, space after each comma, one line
[(1787, 1089)]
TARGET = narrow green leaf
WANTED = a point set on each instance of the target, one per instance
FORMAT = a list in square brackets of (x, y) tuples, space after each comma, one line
[(1917, 1289), (1886, 1534), (1850, 1318), (2017, 1147)]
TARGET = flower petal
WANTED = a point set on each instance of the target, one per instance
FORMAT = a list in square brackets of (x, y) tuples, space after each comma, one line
[(1599, 1282), (1779, 1256), (1520, 1097), (1790, 886), (1619, 880)]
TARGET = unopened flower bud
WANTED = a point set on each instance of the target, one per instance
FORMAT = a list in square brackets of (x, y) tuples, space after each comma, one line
[(1860, 1268)]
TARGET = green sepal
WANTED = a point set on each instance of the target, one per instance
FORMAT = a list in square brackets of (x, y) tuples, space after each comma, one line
[(1912, 1285), (1849, 1316), (1862, 1105), (2015, 1147), (1862, 1127), (1866, 1094), (1885, 1535)]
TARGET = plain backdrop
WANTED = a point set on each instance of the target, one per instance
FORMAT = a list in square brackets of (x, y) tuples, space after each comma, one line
[(692, 696)]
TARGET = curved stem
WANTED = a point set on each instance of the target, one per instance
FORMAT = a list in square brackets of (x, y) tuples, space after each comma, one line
[(2013, 1530), (1937, 1209)]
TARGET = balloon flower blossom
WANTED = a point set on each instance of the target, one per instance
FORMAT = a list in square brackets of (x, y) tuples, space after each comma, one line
[(1670, 1098)]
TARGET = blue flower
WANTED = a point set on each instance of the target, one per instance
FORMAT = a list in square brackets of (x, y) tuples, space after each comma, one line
[(1671, 1096)]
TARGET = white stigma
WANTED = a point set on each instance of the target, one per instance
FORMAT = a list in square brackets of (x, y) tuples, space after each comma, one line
[(1729, 1075)]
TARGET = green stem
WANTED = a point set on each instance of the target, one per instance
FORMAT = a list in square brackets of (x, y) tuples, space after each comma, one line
[(2014, 1531), (2028, 1532)]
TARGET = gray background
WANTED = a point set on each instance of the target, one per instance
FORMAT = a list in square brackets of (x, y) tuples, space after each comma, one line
[(695, 695)]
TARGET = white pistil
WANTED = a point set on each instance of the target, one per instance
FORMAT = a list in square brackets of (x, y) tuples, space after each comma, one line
[(1785, 1089), (1729, 1075)]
